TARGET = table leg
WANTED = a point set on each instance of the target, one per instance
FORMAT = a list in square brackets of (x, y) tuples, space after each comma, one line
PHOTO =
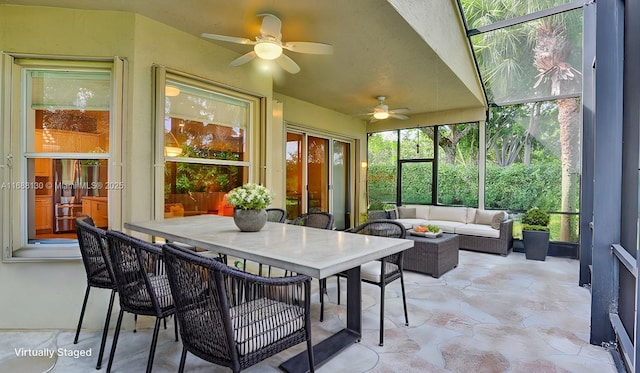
[(329, 347)]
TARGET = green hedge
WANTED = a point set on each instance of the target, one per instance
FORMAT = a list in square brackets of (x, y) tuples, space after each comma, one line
[(516, 188)]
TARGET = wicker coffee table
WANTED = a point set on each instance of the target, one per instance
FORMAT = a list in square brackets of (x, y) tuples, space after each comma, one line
[(432, 256)]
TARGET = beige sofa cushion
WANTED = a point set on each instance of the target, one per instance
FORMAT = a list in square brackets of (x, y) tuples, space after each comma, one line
[(491, 218), (471, 215), (422, 211), (480, 230), (446, 213), (447, 226), (406, 212)]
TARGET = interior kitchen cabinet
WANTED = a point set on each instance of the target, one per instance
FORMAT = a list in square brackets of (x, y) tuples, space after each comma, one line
[(43, 214), (97, 208), (43, 219)]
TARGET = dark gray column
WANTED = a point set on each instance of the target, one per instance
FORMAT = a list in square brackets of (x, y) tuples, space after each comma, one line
[(607, 181), (588, 129)]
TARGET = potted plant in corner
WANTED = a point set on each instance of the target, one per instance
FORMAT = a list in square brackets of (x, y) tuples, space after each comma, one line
[(535, 233)]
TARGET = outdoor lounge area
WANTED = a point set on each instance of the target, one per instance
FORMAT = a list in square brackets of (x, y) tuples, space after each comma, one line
[(491, 314)]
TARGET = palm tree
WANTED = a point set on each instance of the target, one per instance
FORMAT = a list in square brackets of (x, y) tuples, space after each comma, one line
[(545, 45)]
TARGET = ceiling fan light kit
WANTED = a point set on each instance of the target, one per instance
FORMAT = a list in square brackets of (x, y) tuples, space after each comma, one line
[(267, 50), (381, 114), (269, 45)]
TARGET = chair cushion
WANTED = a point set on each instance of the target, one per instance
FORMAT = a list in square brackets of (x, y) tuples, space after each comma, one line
[(480, 230), (160, 285), (371, 271), (264, 321)]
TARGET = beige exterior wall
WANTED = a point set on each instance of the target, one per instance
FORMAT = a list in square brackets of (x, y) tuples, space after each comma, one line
[(49, 294)]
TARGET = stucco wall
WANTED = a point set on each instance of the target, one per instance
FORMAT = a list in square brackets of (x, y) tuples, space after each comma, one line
[(49, 295)]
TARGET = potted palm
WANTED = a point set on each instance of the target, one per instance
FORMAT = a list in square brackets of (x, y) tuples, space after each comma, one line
[(535, 233)]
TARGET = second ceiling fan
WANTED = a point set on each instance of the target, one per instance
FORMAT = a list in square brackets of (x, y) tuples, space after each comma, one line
[(382, 111), (269, 45)]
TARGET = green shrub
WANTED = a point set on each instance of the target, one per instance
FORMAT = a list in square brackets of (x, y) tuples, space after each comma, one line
[(536, 219)]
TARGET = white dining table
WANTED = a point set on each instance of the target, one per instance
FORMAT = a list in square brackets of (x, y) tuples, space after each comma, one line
[(314, 252)]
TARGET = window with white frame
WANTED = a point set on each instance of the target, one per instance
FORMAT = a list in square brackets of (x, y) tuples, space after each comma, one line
[(58, 126), (205, 133)]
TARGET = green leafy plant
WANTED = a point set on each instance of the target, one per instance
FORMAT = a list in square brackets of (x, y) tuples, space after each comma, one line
[(249, 197), (536, 219)]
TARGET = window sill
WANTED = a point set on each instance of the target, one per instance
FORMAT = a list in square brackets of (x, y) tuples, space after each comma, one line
[(40, 253)]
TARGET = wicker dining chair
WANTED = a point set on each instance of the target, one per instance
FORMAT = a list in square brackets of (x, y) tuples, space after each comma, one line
[(319, 219), (234, 318), (92, 243), (383, 271), (143, 287), (276, 215)]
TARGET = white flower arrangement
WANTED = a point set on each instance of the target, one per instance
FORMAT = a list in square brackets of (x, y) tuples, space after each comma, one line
[(250, 197)]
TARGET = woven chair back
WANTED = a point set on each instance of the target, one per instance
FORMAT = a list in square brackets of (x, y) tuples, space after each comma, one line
[(138, 269), (320, 219), (95, 257)]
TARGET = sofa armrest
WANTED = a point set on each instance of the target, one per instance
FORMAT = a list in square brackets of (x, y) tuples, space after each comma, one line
[(506, 230)]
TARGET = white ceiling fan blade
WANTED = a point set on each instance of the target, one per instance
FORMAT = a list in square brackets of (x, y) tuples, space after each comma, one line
[(243, 59), (400, 110), (288, 64), (309, 47), (231, 39), (399, 116), (372, 120), (271, 25)]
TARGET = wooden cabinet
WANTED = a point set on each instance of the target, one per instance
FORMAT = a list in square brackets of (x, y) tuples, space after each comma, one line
[(42, 167), (43, 214), (65, 141), (98, 209)]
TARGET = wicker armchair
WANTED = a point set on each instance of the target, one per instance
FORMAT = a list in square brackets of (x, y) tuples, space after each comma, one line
[(143, 287), (92, 243), (385, 270), (233, 318), (276, 215)]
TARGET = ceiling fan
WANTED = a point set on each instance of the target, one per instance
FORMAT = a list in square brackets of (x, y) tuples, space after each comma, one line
[(381, 111), (269, 45)]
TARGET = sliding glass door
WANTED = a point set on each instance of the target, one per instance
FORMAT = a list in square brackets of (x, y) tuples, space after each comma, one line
[(318, 176)]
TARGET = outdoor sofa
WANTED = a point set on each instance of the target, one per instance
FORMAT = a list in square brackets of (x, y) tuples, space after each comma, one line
[(481, 230)]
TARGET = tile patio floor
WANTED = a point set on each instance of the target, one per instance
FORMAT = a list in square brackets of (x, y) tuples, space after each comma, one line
[(491, 314)]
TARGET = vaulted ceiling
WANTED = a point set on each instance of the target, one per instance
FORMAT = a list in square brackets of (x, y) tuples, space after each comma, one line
[(413, 52)]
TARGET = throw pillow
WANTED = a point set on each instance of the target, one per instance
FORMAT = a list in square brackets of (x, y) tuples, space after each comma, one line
[(406, 212), (484, 217), (491, 218), (498, 218)]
